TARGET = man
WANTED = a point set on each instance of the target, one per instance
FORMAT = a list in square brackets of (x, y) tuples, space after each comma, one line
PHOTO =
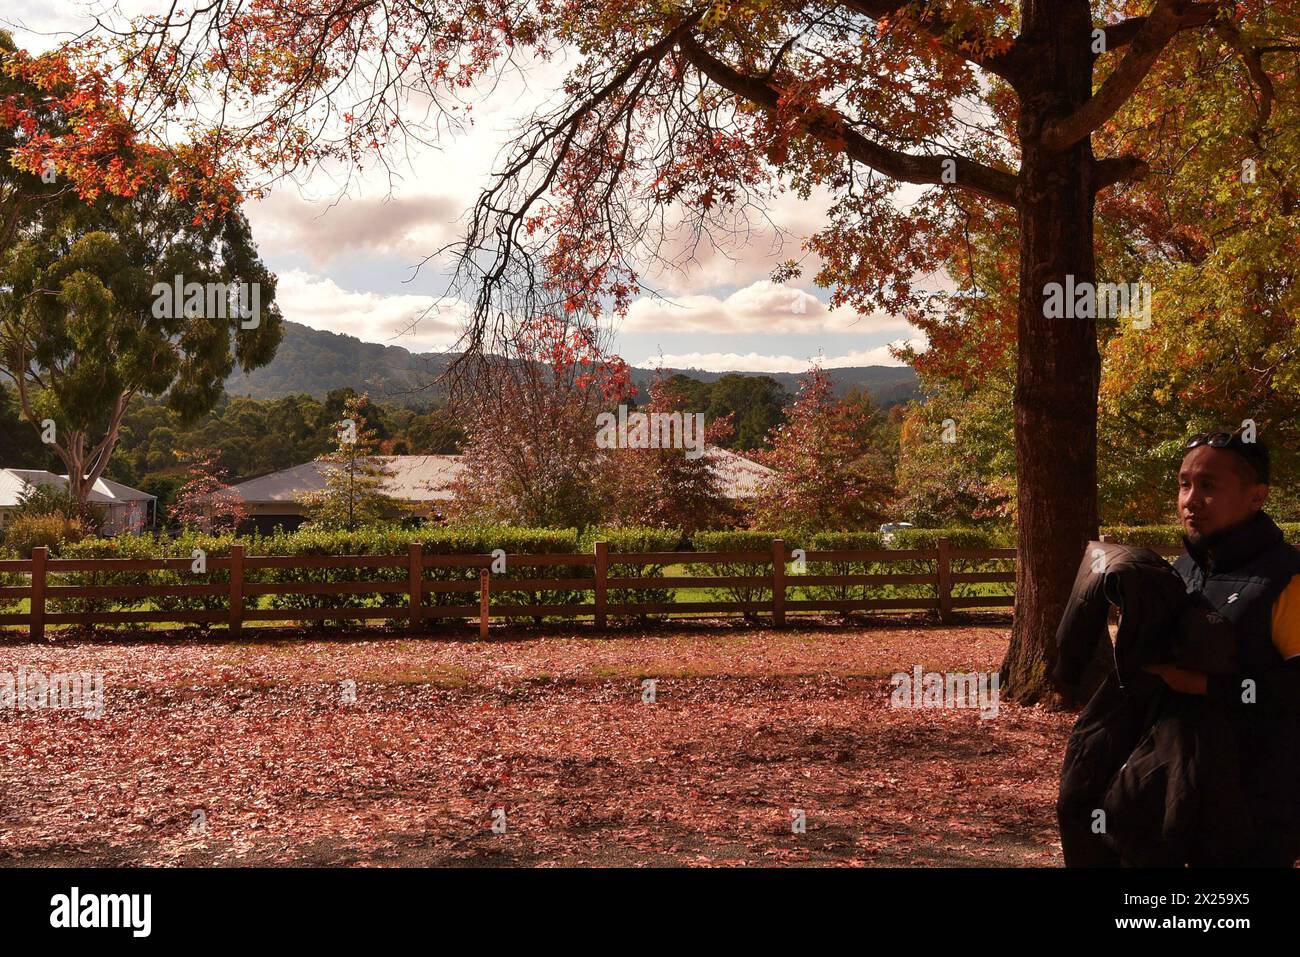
[(1237, 561)]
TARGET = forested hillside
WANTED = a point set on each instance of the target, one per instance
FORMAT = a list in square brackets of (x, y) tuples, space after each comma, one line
[(313, 362)]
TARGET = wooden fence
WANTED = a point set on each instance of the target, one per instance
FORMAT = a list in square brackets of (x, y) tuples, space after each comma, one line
[(238, 606)]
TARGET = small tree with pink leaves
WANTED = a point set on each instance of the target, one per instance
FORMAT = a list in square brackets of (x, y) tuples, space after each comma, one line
[(206, 502)]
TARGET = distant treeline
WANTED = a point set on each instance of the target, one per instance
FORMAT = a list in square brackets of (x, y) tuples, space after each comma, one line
[(314, 362), (252, 437)]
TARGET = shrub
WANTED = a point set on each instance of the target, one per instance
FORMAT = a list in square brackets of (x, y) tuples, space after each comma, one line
[(629, 539), (53, 531), (126, 546), (479, 539), (838, 542), (1147, 536), (40, 500), (958, 538), (738, 541)]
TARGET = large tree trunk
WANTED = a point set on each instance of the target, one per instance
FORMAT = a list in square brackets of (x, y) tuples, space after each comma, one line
[(1057, 366)]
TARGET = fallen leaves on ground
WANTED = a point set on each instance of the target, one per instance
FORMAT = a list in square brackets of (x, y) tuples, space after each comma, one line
[(249, 753)]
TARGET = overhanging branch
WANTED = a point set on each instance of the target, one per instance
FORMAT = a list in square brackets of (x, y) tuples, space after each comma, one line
[(1147, 42), (829, 126), (1116, 169), (971, 43), (1120, 35)]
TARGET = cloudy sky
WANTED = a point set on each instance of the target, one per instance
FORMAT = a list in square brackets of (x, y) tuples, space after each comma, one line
[(344, 252)]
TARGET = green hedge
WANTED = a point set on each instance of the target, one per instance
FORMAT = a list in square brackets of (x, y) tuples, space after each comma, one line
[(483, 539), (1150, 536), (738, 540), (136, 547), (395, 540), (636, 539), (1146, 536), (382, 540)]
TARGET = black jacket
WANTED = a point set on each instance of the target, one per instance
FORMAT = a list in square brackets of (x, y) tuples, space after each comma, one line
[(1149, 775), (1249, 568)]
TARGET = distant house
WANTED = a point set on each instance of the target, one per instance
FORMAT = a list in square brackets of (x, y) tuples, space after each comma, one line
[(127, 511), (741, 477), (423, 483), (419, 481)]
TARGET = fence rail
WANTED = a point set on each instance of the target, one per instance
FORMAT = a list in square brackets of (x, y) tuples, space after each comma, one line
[(596, 586)]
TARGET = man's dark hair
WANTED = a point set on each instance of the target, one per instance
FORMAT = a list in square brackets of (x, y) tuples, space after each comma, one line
[(1255, 454)]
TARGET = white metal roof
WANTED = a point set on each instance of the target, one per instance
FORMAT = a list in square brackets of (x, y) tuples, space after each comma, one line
[(428, 478), (14, 483), (411, 478), (741, 477)]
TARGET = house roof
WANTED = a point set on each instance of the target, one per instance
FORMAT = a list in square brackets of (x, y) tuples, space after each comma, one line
[(14, 483), (741, 477), (411, 478), (428, 478)]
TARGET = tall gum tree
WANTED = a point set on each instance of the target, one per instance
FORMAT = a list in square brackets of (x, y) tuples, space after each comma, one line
[(676, 121)]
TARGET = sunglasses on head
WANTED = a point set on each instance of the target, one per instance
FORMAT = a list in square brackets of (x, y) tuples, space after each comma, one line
[(1215, 440)]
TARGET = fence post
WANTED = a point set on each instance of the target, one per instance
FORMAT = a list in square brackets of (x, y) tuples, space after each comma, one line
[(415, 583), (943, 564), (236, 589), (602, 576), (778, 583), (483, 587), (39, 554)]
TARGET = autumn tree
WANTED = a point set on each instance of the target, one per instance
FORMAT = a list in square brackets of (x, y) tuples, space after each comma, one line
[(675, 119), (826, 478), (63, 135), (206, 501), (531, 456), (665, 487), (1213, 230)]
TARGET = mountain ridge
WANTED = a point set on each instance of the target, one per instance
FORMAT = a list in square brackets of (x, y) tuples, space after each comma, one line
[(314, 361)]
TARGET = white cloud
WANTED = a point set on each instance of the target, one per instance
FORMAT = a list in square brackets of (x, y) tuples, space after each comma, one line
[(744, 250), (754, 362), (409, 227), (319, 302), (761, 307)]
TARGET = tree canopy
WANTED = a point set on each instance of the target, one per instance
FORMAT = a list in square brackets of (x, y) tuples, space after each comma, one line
[(81, 328), (677, 121)]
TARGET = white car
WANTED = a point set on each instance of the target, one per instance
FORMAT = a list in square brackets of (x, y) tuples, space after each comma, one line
[(887, 530)]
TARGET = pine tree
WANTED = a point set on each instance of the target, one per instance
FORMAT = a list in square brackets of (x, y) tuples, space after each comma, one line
[(354, 476)]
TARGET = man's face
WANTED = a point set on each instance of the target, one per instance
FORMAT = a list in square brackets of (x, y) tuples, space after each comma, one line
[(1214, 492)]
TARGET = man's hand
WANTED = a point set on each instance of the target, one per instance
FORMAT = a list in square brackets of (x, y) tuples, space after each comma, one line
[(1180, 679)]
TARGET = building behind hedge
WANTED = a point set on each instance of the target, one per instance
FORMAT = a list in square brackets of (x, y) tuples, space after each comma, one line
[(423, 483), (127, 511)]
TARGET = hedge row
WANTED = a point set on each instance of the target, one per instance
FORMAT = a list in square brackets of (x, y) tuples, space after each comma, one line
[(479, 539), (394, 540), (483, 539)]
